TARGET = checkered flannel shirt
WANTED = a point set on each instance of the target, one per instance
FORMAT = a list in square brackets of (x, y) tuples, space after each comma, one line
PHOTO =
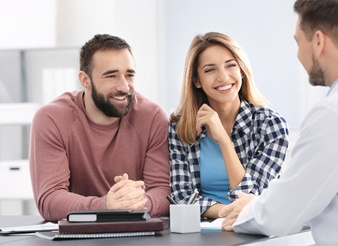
[(260, 138)]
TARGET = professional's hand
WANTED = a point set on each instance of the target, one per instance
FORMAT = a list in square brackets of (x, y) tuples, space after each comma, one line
[(212, 212), (206, 116), (126, 194), (232, 211)]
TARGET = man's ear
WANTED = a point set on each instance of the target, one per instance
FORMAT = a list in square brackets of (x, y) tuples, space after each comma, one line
[(84, 79), (318, 42)]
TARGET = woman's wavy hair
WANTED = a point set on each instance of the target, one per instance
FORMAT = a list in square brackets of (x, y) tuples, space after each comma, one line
[(192, 98)]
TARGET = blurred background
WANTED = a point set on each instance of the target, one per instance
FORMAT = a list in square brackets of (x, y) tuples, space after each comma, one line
[(39, 53)]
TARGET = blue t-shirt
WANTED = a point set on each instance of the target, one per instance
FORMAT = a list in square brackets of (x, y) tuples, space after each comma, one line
[(213, 173)]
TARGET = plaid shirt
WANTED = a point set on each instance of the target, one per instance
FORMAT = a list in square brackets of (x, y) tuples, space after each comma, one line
[(260, 138)]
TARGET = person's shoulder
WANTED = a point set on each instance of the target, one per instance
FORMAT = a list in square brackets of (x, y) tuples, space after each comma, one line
[(146, 116), (62, 107), (172, 123), (145, 107), (172, 126), (264, 114), (332, 96), (143, 101), (264, 111)]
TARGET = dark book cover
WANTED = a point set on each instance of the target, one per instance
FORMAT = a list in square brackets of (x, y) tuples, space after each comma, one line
[(153, 224), (107, 215)]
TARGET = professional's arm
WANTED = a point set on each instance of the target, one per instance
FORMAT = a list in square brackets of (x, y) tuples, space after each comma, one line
[(184, 172), (232, 211), (265, 163), (50, 173), (156, 168), (306, 188)]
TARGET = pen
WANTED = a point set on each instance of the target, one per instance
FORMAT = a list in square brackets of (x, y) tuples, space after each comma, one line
[(171, 200), (193, 197)]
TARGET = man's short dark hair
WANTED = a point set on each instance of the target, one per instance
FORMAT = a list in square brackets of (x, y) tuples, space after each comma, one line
[(318, 15), (97, 43)]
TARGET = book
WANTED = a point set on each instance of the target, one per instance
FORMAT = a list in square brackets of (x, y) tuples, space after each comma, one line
[(54, 235), (108, 215), (153, 224)]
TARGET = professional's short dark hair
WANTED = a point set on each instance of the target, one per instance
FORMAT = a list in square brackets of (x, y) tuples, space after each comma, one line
[(97, 43), (318, 15)]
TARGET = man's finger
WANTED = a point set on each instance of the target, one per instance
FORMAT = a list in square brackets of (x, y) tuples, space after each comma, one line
[(227, 224), (129, 194), (126, 184), (119, 178)]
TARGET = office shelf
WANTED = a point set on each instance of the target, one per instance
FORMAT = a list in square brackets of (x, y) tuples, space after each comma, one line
[(29, 78), (17, 113), (17, 184)]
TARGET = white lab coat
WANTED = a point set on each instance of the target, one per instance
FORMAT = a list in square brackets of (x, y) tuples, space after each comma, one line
[(306, 192)]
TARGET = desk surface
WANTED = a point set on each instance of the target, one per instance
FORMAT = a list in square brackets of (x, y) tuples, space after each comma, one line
[(206, 237)]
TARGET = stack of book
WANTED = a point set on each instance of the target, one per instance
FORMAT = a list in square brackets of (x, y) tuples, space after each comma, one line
[(105, 224)]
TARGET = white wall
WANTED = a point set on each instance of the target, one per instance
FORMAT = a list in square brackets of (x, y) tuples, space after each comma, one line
[(27, 24), (160, 32), (264, 29), (133, 20)]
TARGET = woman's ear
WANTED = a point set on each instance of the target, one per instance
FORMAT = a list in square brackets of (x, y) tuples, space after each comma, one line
[(196, 83), (242, 74)]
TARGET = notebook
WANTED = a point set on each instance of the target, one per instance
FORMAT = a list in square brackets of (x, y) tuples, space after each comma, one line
[(54, 235), (153, 224), (108, 215)]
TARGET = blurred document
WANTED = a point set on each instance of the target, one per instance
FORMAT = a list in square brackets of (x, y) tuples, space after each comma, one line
[(29, 229), (214, 225)]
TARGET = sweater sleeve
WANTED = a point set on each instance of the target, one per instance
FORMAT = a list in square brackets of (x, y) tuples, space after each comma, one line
[(156, 168), (50, 171), (267, 158)]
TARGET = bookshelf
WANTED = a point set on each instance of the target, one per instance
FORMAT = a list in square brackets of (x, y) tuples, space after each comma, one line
[(29, 78), (17, 113), (14, 172)]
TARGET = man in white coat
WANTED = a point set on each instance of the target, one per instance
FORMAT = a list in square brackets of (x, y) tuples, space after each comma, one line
[(307, 192)]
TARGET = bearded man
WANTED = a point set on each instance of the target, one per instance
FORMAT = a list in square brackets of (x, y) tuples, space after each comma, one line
[(104, 147)]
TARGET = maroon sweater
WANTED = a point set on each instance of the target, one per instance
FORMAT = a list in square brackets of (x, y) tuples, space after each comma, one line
[(73, 161)]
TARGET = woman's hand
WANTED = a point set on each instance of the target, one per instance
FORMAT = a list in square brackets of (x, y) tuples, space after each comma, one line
[(209, 118)]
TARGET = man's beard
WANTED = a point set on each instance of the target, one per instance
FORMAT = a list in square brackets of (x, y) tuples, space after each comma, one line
[(108, 108), (316, 75)]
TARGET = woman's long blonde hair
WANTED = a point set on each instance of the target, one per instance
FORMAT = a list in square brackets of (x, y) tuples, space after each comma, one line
[(193, 98)]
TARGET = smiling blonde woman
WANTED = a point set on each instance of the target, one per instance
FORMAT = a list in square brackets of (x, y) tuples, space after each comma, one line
[(222, 139)]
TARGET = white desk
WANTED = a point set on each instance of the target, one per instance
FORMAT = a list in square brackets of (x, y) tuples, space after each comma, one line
[(299, 239)]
